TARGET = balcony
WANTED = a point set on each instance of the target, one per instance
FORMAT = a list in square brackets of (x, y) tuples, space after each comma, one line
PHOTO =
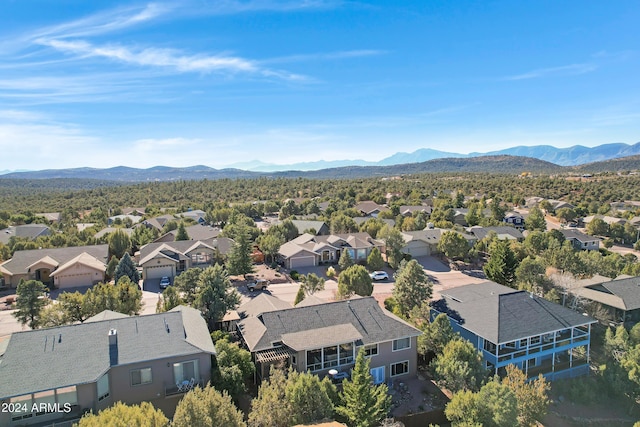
[(171, 390)]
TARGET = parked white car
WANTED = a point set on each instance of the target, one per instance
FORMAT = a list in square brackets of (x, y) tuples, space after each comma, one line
[(379, 275)]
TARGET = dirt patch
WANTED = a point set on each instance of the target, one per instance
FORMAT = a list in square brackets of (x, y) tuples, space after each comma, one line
[(416, 395), (264, 272)]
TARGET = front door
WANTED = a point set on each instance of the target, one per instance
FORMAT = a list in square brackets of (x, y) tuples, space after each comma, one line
[(378, 375)]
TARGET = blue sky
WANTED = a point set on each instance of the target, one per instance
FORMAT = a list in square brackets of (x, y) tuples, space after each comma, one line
[(209, 82)]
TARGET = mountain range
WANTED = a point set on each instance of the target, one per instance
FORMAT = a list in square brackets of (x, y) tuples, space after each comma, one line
[(571, 156)]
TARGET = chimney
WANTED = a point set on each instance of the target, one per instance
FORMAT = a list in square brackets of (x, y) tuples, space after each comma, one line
[(113, 347)]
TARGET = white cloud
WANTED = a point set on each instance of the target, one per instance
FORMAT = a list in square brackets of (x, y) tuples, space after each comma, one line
[(346, 54), (565, 70)]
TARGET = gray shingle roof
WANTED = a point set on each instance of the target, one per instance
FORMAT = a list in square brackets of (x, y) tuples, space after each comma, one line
[(501, 314), (29, 231), (23, 259), (503, 232), (626, 290), (262, 304), (372, 322), (222, 243), (44, 359), (579, 236)]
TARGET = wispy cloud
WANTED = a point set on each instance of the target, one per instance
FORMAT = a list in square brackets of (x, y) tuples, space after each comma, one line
[(104, 22), (346, 54), (565, 70), (235, 6)]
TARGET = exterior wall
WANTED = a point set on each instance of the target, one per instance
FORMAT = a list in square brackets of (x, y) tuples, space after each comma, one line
[(12, 281), (78, 275), (162, 380)]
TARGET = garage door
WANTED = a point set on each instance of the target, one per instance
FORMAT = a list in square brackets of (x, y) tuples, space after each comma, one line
[(158, 272), (76, 280), (307, 261), (419, 251)]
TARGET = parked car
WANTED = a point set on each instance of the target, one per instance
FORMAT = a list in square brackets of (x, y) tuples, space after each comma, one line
[(165, 282), (379, 275), (259, 284)]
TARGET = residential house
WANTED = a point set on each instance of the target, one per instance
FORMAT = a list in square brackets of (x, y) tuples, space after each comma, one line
[(509, 326), (425, 242), (134, 211), (559, 204), (90, 366), (514, 219), (460, 215), (158, 222), (108, 230), (606, 218), (53, 217), (26, 231), (370, 208), (581, 241), (319, 228), (134, 219), (531, 202), (613, 302), (197, 215), (406, 210), (325, 336), (195, 232), (308, 250), (503, 232), (69, 267), (172, 258)]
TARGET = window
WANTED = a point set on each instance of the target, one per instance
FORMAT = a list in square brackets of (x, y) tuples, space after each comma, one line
[(314, 359), (535, 340), (294, 360), (45, 398), (489, 346), (401, 344), (201, 258), (67, 395), (103, 387), (523, 342), (330, 357), (141, 376), (346, 354), (371, 350), (184, 371), (22, 407), (399, 368), (511, 344)]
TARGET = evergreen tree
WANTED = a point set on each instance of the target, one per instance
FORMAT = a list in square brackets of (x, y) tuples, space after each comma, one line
[(122, 415), (181, 233), (531, 396), (345, 260), (239, 261), (354, 280), (111, 267), (363, 404), (233, 368), (312, 283), (119, 243), (216, 295), (460, 366), (453, 245), (29, 302), (299, 295), (187, 284), (374, 260), (412, 286), (535, 220), (394, 243), (169, 300), (271, 408), (207, 407), (126, 267), (502, 264)]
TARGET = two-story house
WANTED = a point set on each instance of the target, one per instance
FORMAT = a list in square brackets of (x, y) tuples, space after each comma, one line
[(509, 326), (49, 375), (319, 337)]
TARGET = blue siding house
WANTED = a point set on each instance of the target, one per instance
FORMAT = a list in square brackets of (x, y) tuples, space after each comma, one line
[(509, 326)]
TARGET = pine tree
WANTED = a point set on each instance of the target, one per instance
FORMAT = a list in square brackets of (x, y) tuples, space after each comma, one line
[(345, 260), (502, 264), (119, 243), (300, 295), (207, 407), (30, 301), (182, 233), (127, 268), (363, 404), (239, 261), (412, 286), (111, 267), (374, 260)]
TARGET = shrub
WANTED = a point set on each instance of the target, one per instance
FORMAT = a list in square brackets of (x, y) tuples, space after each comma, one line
[(294, 275), (331, 272)]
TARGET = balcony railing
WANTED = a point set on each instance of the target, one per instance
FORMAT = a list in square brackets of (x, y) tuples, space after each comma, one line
[(175, 390)]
